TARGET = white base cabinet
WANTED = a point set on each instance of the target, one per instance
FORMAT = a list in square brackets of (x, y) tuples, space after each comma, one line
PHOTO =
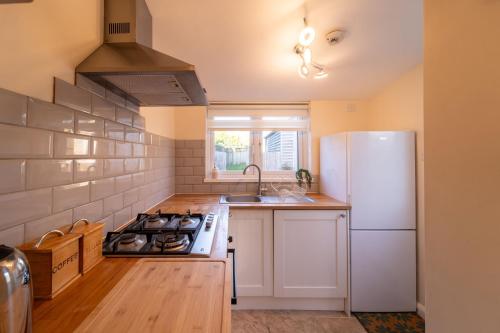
[(310, 253), (290, 259), (252, 232)]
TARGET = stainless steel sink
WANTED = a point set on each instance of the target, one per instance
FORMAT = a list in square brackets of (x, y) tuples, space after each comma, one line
[(269, 199), (241, 198)]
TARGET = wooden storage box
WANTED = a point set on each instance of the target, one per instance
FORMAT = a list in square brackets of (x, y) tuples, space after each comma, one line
[(54, 262), (90, 243)]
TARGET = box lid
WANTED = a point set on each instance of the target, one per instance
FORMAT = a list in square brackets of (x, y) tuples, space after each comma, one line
[(51, 243)]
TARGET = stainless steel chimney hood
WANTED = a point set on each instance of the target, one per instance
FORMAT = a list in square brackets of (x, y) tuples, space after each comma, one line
[(127, 65)]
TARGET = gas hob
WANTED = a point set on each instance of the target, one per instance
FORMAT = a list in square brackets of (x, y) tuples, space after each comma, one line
[(163, 234)]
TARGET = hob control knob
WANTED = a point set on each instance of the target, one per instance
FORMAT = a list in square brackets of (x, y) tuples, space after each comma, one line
[(209, 221)]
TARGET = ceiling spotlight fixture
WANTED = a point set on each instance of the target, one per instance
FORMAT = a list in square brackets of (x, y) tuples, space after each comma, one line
[(306, 36), (307, 56), (306, 66), (303, 71), (321, 74)]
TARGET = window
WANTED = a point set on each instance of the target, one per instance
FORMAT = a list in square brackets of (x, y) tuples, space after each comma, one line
[(275, 137)]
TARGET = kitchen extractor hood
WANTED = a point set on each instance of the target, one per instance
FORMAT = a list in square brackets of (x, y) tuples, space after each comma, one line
[(127, 65)]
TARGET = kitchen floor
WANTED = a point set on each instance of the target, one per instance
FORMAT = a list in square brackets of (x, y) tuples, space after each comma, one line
[(281, 321)]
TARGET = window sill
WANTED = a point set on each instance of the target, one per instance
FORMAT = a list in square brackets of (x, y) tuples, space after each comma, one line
[(249, 180)]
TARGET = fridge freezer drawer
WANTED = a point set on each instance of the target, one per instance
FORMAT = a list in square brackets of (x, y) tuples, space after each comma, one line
[(383, 270)]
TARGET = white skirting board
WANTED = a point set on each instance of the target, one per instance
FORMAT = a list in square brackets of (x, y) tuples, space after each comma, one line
[(421, 310), (275, 303)]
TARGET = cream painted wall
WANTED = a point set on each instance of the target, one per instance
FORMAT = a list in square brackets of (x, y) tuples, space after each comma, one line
[(44, 39), (328, 117), (160, 120), (190, 122), (462, 167), (399, 106)]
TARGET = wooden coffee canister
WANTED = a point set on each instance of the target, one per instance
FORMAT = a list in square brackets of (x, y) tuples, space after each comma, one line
[(54, 262), (90, 243)]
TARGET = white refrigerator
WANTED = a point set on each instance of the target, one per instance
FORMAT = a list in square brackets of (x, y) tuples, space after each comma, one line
[(375, 173)]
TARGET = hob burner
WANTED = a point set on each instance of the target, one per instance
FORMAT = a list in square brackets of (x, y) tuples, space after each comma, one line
[(187, 220), (131, 242), (169, 242), (155, 222)]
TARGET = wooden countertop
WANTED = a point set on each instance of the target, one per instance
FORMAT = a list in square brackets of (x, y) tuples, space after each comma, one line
[(321, 201), (172, 295), (67, 311)]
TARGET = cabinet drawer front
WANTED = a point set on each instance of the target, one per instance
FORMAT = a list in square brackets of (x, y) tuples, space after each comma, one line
[(310, 253)]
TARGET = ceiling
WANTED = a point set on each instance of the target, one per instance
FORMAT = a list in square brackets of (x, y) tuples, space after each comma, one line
[(243, 49)]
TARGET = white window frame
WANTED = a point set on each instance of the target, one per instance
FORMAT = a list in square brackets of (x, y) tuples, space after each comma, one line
[(304, 154)]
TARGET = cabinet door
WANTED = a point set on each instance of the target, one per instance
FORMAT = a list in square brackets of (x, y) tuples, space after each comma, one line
[(310, 253), (252, 232)]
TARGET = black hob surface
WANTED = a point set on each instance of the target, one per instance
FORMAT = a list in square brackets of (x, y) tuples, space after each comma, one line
[(155, 234)]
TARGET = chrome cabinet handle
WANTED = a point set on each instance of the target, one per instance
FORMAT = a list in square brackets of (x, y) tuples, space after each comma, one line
[(45, 235)]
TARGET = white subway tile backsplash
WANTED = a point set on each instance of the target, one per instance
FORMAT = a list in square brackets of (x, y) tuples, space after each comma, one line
[(72, 96), (138, 150), (108, 224), (114, 130), (89, 125), (36, 228), (50, 116), (12, 175), (47, 173), (12, 108), (18, 141), (123, 116), (92, 211), (13, 236), (113, 167), (138, 207), (122, 217), (205, 188), (20, 207), (70, 196), (103, 108), (88, 169), (134, 135), (139, 121), (113, 204), (144, 164), (51, 171), (155, 139), (66, 145), (144, 191), (148, 138), (102, 188), (149, 176), (138, 179), (132, 165), (123, 149), (150, 151), (103, 148), (130, 196), (123, 183)]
